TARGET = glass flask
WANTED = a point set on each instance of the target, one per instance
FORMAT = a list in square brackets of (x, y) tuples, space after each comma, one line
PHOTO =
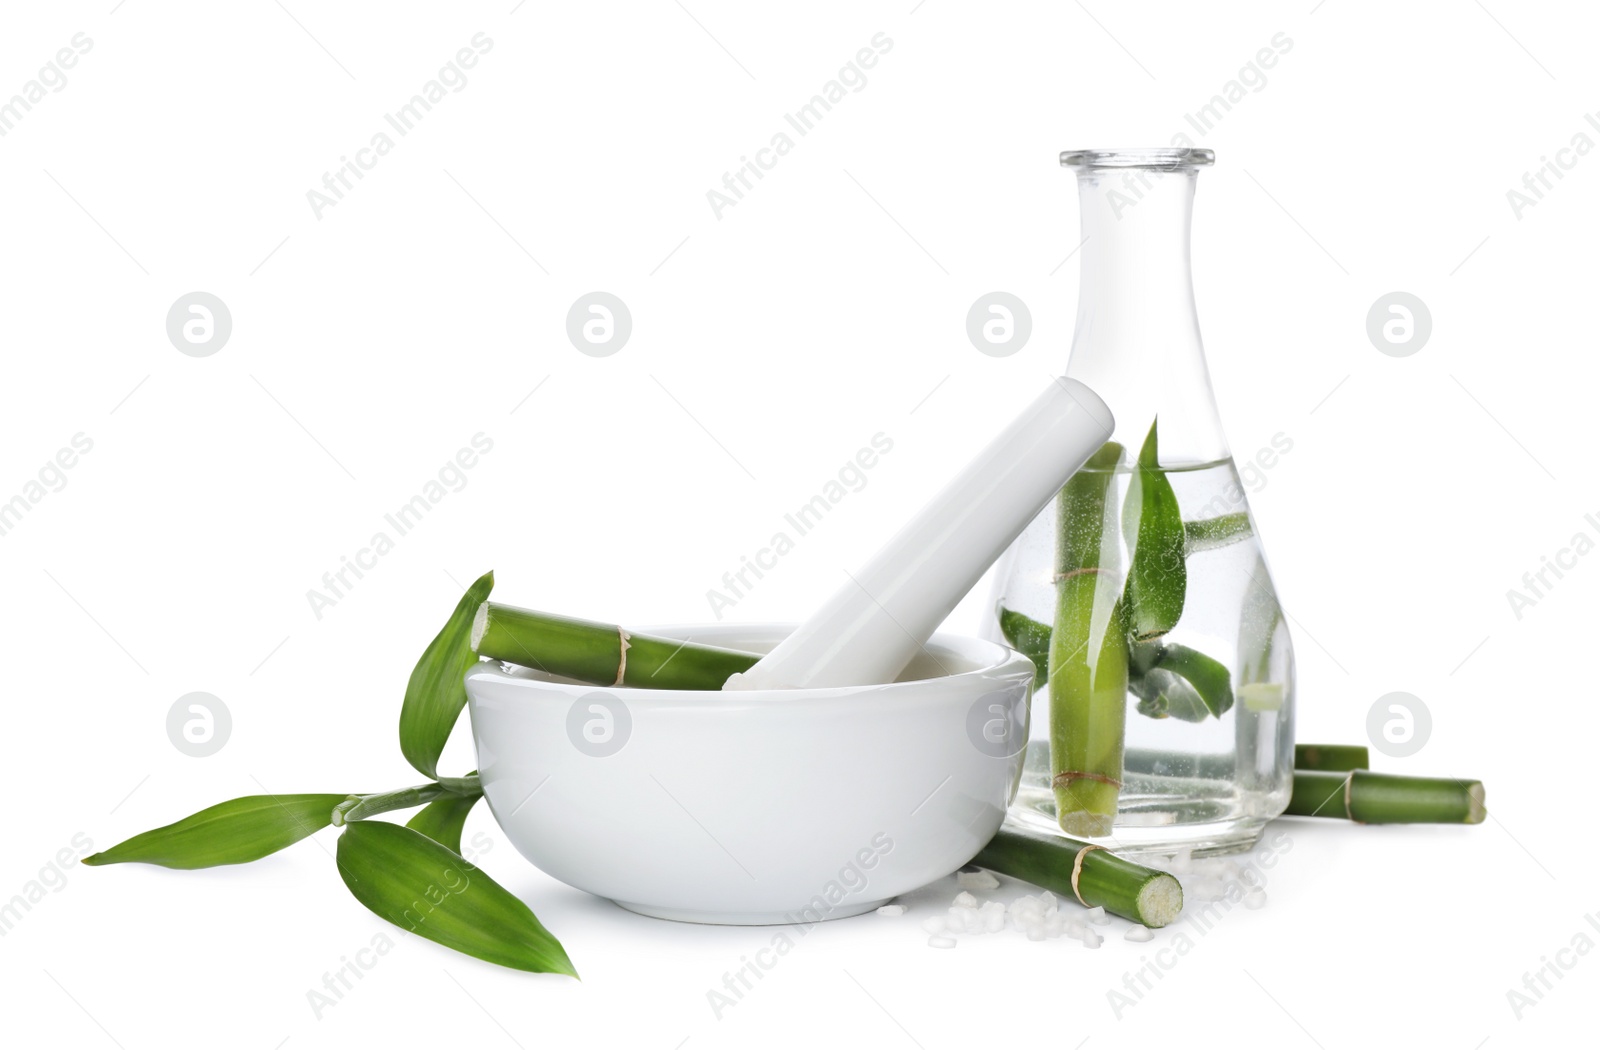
[(1163, 713)]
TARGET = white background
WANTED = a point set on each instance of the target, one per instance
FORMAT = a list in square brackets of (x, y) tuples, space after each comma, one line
[(769, 344)]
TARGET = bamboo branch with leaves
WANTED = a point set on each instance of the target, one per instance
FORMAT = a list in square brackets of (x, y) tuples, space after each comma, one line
[(413, 875), (1108, 637)]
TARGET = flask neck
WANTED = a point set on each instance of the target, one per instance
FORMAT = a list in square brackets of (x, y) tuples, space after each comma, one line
[(1137, 339)]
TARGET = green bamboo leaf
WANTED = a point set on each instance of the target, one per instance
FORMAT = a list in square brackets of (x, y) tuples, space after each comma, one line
[(1209, 677), (233, 832), (443, 820), (1030, 638), (1163, 694), (1209, 534), (419, 885), (436, 693), (1157, 574)]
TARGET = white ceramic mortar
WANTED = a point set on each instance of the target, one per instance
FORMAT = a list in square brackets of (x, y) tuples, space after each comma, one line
[(760, 806)]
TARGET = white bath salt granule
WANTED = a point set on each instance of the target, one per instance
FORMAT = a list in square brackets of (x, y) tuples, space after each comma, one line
[(1048, 899), (1036, 933), (1052, 923), (1139, 933), (934, 924), (965, 900), (1182, 862), (976, 880), (1091, 939), (1097, 915), (941, 942), (892, 909), (1256, 898)]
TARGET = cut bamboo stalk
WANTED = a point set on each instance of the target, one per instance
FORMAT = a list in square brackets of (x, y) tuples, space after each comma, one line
[(1330, 758), (1089, 874), (600, 653), (1382, 798)]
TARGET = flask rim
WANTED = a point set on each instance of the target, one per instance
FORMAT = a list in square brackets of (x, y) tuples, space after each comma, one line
[(1164, 158)]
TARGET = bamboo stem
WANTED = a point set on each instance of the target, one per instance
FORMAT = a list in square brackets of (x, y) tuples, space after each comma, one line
[(1088, 673), (1330, 758), (360, 807), (600, 653), (1381, 798), (1137, 893)]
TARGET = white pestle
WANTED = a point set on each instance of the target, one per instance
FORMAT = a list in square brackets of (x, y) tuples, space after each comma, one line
[(879, 619)]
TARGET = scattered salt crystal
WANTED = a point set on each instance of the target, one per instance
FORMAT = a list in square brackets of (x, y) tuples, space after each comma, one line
[(1036, 933), (1138, 933), (1053, 924), (941, 942), (1091, 939), (965, 900), (892, 909), (1182, 861), (976, 880), (934, 924), (972, 920), (1256, 898), (994, 921), (1048, 899), (1097, 915)]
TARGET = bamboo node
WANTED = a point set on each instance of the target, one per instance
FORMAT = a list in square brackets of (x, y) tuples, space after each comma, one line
[(622, 657), (1349, 782), (1063, 779), (1077, 869)]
